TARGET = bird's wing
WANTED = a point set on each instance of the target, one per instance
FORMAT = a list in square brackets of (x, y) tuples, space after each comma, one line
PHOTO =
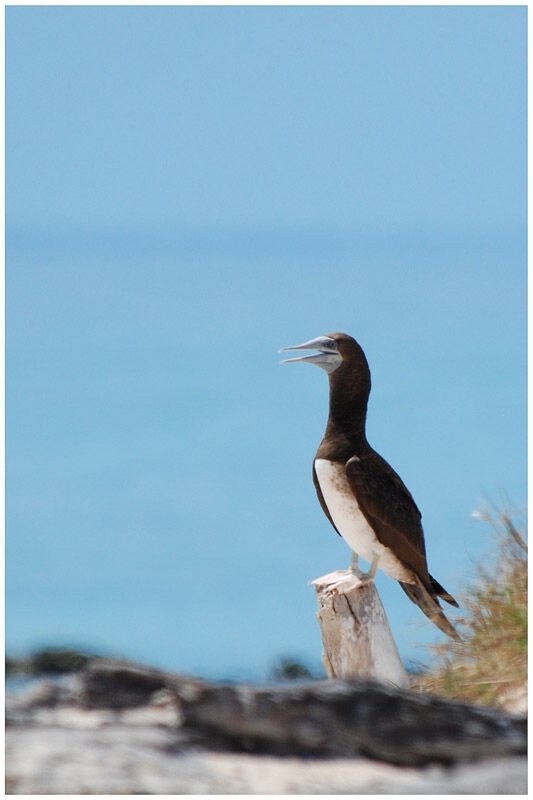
[(321, 498), (390, 509), (429, 604)]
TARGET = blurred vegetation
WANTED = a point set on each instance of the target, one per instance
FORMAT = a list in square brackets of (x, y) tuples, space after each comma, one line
[(57, 660), (289, 668), (489, 665)]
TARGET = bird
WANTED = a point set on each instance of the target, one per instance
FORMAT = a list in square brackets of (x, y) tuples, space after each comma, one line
[(364, 499)]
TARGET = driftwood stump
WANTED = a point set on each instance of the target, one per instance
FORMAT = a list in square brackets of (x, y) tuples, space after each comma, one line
[(355, 632)]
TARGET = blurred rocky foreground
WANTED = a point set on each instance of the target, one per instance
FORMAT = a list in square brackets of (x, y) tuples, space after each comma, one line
[(119, 728)]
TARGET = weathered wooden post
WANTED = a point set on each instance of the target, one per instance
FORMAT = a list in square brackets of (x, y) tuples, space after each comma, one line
[(356, 635)]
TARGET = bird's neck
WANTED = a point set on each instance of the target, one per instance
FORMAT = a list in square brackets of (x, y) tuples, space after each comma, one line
[(348, 399)]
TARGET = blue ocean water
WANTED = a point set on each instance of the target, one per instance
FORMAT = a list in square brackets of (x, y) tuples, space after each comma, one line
[(159, 497)]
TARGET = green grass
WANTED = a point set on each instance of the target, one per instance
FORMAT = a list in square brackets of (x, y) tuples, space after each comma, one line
[(489, 665)]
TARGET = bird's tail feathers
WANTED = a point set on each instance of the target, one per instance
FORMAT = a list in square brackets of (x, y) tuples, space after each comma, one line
[(441, 591), (418, 593)]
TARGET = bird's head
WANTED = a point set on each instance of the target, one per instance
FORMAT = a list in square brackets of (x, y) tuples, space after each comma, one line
[(333, 349)]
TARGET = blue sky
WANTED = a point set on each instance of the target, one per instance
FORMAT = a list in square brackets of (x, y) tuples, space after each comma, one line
[(189, 189)]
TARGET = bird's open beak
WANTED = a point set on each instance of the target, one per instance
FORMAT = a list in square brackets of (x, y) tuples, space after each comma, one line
[(328, 356)]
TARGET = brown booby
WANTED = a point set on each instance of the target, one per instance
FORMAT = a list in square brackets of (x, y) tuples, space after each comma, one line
[(362, 496)]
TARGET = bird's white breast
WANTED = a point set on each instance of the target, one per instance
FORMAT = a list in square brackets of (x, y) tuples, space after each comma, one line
[(350, 520)]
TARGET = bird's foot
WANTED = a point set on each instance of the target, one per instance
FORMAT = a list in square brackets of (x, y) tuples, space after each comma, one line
[(364, 577), (344, 580)]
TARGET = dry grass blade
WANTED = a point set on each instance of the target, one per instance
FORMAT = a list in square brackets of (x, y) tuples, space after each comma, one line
[(489, 666)]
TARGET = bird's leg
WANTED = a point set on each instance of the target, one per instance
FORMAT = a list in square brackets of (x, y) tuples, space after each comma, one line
[(373, 566), (367, 577), (364, 577)]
